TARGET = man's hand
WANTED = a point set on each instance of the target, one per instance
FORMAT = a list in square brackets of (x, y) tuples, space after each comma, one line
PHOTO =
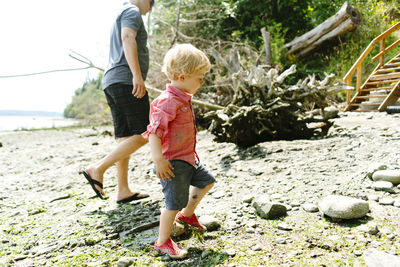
[(139, 88), (164, 169)]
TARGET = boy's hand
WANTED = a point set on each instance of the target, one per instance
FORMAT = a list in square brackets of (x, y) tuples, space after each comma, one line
[(164, 169)]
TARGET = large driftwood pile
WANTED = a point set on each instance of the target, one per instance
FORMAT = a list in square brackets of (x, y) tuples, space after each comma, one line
[(264, 108), (345, 20)]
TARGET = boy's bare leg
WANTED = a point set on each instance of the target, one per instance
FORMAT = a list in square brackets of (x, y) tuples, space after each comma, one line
[(195, 196), (125, 147), (167, 219)]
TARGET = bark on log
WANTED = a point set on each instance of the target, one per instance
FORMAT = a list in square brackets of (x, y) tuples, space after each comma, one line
[(345, 20)]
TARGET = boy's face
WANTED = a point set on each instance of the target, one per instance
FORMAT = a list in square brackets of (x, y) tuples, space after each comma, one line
[(192, 83)]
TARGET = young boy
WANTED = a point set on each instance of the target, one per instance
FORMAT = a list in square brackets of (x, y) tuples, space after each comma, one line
[(172, 137)]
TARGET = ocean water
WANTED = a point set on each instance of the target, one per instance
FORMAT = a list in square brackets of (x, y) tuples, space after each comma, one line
[(10, 123)]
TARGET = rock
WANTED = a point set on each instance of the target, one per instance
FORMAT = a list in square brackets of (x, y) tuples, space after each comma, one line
[(284, 227), (376, 258), (342, 207), (375, 167), (357, 253), (392, 176), (125, 261), (250, 230), (310, 207), (373, 197), (210, 222), (178, 229), (386, 201), (248, 199), (330, 112), (267, 209), (218, 194), (280, 241), (383, 186), (397, 203), (371, 229), (295, 204), (386, 231), (230, 252)]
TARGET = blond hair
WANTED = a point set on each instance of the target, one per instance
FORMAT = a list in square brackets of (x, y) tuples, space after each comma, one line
[(185, 59)]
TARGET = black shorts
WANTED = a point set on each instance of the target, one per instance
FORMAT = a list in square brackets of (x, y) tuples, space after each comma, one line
[(130, 114)]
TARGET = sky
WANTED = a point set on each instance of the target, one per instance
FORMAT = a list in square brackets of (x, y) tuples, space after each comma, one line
[(37, 36)]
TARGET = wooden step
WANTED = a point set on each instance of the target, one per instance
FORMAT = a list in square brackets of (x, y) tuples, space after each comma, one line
[(388, 70), (384, 77), (369, 90), (392, 65), (371, 96), (365, 104), (381, 82), (387, 88)]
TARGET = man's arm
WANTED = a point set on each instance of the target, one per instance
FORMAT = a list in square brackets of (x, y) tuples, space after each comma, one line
[(163, 166), (128, 36)]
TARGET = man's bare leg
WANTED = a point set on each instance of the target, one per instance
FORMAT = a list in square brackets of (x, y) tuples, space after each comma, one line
[(126, 146)]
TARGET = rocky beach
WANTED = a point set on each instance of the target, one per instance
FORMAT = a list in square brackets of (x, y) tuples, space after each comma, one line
[(50, 217)]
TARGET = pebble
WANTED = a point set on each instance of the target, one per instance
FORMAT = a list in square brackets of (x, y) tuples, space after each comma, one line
[(391, 237), (218, 194), (295, 203), (250, 230), (373, 197), (125, 261), (248, 199), (370, 229), (386, 231), (383, 186), (230, 252), (284, 227), (280, 241), (309, 207), (210, 222), (386, 201), (358, 253)]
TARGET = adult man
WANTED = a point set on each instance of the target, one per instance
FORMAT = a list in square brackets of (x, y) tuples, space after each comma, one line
[(124, 87)]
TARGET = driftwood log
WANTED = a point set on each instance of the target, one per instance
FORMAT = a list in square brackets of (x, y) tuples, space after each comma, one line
[(265, 108), (345, 20)]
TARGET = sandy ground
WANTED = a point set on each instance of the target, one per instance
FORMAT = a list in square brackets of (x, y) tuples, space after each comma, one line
[(39, 171)]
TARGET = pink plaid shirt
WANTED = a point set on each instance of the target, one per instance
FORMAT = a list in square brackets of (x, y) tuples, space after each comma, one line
[(172, 120)]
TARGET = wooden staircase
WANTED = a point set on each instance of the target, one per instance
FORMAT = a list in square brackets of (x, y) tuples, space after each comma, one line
[(382, 87)]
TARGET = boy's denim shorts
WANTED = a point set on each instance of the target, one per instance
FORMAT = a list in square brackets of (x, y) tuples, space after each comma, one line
[(130, 114), (176, 191)]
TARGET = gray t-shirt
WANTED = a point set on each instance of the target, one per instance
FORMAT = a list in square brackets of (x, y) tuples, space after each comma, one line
[(118, 69)]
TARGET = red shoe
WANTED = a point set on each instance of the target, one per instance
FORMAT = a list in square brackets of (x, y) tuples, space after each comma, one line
[(191, 221), (171, 249)]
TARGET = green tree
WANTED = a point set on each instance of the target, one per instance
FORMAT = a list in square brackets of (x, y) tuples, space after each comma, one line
[(89, 103)]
